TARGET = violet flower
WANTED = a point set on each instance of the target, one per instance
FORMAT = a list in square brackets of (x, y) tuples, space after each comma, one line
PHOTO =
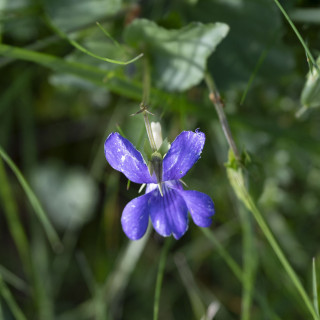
[(168, 213)]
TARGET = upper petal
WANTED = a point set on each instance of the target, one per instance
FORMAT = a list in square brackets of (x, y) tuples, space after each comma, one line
[(124, 157), (183, 154), (169, 214), (200, 206), (135, 217)]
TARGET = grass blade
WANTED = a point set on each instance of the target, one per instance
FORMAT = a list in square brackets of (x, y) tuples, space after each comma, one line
[(315, 287), (309, 55), (12, 304), (15, 226), (50, 231)]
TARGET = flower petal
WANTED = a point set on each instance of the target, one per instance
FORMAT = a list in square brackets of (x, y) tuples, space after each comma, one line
[(200, 206), (169, 214), (183, 154), (135, 217), (124, 157)]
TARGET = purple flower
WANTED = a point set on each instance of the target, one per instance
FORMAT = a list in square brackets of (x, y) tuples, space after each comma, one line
[(168, 213)]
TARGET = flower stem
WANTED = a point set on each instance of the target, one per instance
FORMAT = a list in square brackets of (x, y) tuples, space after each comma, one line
[(245, 197), (162, 264), (309, 55), (237, 182), (145, 101), (215, 98)]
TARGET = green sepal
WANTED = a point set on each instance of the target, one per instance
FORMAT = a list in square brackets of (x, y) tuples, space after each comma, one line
[(164, 148), (147, 150), (310, 95), (249, 171)]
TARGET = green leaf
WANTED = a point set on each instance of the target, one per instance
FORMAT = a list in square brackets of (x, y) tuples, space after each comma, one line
[(178, 57), (70, 15), (310, 96), (256, 25)]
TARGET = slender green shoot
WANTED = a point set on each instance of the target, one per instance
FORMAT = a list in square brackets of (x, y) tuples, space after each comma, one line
[(315, 286), (50, 231), (12, 304), (14, 280), (254, 73), (249, 263), (86, 51), (108, 35), (162, 263), (308, 53), (224, 254), (237, 181), (14, 222)]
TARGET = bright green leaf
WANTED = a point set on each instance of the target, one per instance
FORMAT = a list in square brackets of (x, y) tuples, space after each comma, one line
[(178, 57)]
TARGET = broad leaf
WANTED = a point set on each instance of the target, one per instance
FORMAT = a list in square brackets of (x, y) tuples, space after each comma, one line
[(256, 32), (178, 57)]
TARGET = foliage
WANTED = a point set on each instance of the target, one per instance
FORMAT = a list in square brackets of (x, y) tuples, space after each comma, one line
[(63, 254)]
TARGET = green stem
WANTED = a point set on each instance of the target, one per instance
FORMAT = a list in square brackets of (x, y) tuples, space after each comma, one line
[(247, 200), (314, 286), (50, 231), (13, 220), (162, 264), (216, 100), (242, 193), (145, 101), (309, 55), (224, 254), (12, 304), (249, 263)]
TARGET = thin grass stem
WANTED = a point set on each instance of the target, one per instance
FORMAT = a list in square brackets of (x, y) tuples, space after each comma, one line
[(12, 304), (237, 181), (50, 231), (14, 222), (309, 55), (315, 287)]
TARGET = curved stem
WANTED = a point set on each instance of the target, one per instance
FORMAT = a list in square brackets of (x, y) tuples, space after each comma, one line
[(237, 182)]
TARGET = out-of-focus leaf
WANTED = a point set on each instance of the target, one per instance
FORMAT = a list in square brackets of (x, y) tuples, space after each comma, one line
[(255, 25), (255, 175), (68, 195), (306, 15), (71, 14), (310, 96), (178, 57)]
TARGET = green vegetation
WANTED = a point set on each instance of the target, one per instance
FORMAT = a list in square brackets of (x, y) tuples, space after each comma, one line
[(245, 72)]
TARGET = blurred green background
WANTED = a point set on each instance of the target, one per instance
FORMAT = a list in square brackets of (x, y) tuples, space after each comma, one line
[(58, 105)]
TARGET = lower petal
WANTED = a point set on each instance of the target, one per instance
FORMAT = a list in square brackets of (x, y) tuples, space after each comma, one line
[(135, 217), (169, 214), (200, 206)]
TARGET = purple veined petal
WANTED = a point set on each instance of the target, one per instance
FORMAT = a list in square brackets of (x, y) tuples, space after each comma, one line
[(200, 206), (183, 154), (124, 157), (169, 214), (135, 217)]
